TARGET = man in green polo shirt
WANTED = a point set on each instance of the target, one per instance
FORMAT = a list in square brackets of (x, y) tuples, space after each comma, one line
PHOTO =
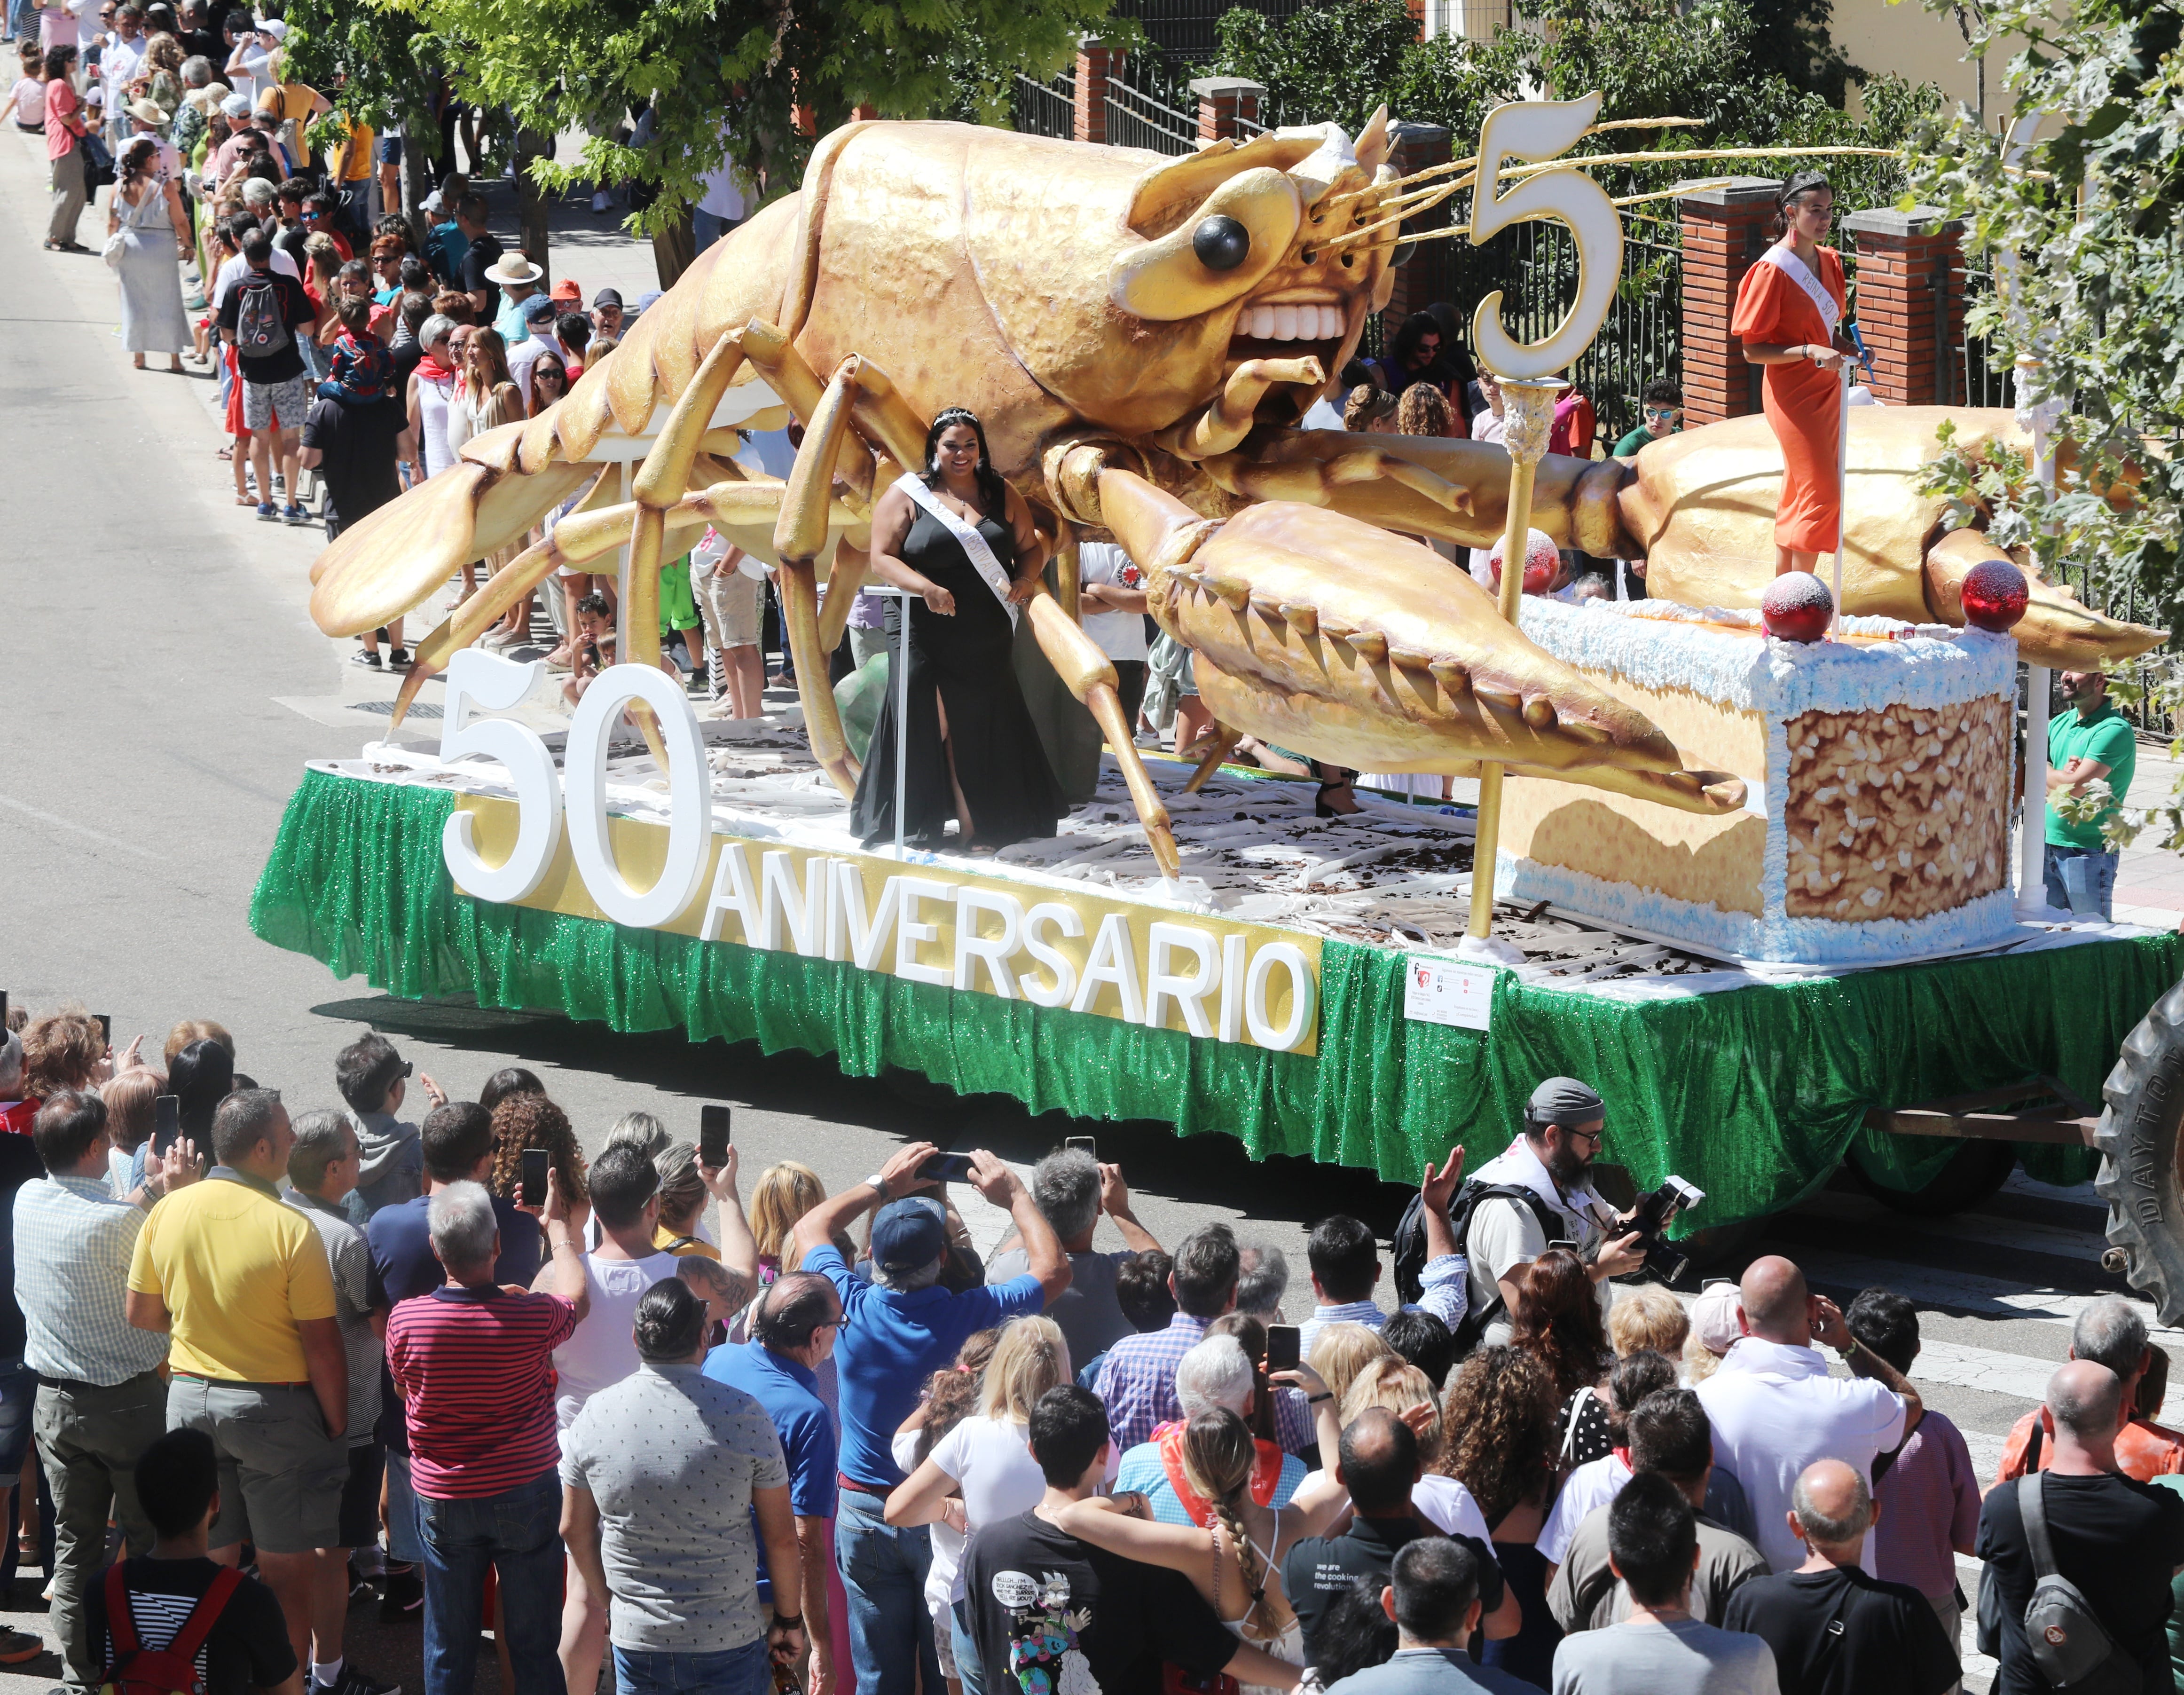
[(2091, 744)]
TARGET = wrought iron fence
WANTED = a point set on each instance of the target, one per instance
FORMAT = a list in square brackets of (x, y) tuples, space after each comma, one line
[(1044, 108), (1148, 106), (1966, 372), (1189, 30), (1534, 265)]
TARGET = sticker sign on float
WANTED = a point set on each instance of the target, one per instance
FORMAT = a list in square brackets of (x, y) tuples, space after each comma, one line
[(1440, 991), (941, 924)]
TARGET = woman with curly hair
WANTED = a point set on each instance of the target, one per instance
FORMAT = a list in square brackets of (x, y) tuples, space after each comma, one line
[(64, 1050), (1499, 1415), (1558, 1324), (528, 1120)]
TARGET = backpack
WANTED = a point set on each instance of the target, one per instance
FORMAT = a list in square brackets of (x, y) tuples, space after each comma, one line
[(1410, 1247), (260, 327), (2070, 1646), (172, 1669)]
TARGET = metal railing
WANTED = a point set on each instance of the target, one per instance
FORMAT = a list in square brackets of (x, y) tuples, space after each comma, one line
[(1147, 107), (1966, 371), (1534, 265), (1189, 30), (1044, 108)]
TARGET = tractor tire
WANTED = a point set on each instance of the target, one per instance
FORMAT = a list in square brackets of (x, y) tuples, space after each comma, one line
[(1974, 1171), (2142, 1111)]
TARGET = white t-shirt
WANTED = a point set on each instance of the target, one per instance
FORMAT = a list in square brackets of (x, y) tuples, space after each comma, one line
[(230, 273), (1120, 635), (1592, 1485), (604, 1351), (991, 1459), (1322, 415), (1776, 1410), (1445, 1504), (724, 193), (119, 62)]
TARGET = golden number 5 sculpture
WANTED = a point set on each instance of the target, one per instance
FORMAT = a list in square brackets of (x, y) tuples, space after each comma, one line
[(1140, 335)]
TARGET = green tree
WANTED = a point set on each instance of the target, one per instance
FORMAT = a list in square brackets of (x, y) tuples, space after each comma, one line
[(2083, 226)]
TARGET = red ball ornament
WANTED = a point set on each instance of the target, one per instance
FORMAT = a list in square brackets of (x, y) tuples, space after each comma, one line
[(1797, 607), (1995, 595), (1542, 561)]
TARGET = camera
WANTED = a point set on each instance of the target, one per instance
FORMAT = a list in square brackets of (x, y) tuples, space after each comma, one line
[(1650, 1219)]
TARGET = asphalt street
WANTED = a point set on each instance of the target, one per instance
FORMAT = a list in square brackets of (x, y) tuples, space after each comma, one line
[(163, 689)]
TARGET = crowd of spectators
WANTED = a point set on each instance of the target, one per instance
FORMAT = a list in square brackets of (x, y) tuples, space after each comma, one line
[(660, 1443)]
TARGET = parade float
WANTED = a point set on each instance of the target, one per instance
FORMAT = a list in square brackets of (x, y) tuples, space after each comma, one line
[(1750, 879)]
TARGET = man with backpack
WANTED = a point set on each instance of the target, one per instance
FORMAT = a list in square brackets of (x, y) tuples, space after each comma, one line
[(1537, 1192), (2079, 1556), (263, 315), (173, 1622)]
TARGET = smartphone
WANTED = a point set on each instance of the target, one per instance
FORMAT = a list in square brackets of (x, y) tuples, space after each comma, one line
[(713, 1136), (105, 1027), (3, 1014), (1282, 1351), (535, 1160), (946, 1167), (1089, 1144), (166, 1121)]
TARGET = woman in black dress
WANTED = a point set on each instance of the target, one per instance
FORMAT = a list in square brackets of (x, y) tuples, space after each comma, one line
[(973, 753)]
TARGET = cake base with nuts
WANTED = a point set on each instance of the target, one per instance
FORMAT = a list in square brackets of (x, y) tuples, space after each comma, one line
[(1878, 775)]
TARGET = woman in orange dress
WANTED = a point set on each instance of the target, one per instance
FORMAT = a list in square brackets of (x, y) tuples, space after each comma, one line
[(1790, 309)]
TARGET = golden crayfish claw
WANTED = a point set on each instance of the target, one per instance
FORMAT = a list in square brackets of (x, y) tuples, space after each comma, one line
[(1321, 633)]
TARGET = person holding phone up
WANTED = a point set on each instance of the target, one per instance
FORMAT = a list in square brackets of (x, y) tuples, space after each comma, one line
[(897, 1329)]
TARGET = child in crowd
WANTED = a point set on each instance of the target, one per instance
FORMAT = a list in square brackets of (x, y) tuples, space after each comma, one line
[(1663, 415), (362, 370)]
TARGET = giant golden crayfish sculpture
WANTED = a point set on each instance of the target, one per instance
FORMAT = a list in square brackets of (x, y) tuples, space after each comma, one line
[(1140, 335)]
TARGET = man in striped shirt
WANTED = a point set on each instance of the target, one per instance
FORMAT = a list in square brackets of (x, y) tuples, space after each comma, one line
[(474, 1363)]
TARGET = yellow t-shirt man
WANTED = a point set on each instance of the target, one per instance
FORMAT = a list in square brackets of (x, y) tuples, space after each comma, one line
[(238, 1271)]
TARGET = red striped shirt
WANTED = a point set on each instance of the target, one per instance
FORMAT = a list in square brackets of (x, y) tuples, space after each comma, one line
[(476, 1369)]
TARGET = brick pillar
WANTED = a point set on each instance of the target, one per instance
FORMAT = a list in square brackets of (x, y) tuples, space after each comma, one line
[(1221, 101), (1725, 228), (1094, 64), (1910, 302), (1423, 278)]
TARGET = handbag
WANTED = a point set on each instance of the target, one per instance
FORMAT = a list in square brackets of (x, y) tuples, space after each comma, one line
[(97, 161), (117, 244)]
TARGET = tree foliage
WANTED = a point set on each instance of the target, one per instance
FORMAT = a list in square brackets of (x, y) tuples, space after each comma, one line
[(754, 80), (1720, 61), (2083, 227)]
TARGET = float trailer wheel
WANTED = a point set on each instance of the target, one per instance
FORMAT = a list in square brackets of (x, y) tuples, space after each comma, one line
[(1973, 1171), (2137, 1138)]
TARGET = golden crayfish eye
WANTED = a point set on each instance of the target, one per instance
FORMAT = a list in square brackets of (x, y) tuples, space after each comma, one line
[(1220, 243), (1215, 255)]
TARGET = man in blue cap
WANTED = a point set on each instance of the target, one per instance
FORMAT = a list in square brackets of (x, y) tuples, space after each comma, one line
[(897, 1330), (1565, 1122)]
